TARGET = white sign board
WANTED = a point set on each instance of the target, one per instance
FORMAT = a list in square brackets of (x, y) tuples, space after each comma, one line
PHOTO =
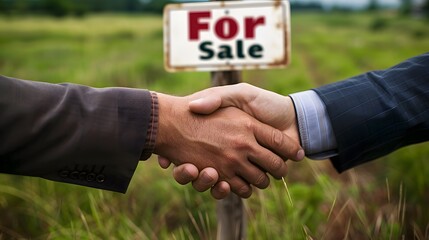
[(232, 35)]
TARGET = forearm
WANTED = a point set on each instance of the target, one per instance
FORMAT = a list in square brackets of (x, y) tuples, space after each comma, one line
[(367, 116), (71, 133), (378, 112)]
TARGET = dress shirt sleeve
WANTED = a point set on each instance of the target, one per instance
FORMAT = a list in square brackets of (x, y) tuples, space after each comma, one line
[(315, 129)]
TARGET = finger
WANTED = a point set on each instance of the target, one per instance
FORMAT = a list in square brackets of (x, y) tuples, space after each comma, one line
[(185, 173), (221, 190), (269, 162), (206, 179), (205, 105), (278, 142), (163, 162), (240, 187), (254, 176)]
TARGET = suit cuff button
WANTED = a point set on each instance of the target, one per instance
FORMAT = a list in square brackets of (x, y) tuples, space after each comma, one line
[(74, 175), (90, 177), (64, 173), (82, 175), (100, 178)]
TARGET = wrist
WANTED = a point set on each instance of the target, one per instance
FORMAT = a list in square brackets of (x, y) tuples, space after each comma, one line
[(315, 130), (165, 103), (292, 120), (152, 130)]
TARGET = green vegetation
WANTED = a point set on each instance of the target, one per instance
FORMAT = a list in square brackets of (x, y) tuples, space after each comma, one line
[(61, 8), (385, 199)]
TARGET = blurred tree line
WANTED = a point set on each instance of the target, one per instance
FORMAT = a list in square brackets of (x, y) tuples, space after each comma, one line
[(60, 8)]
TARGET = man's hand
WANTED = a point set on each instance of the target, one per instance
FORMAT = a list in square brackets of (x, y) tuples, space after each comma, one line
[(237, 146), (201, 181), (268, 107)]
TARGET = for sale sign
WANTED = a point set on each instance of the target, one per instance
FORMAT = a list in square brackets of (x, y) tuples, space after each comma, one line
[(227, 35)]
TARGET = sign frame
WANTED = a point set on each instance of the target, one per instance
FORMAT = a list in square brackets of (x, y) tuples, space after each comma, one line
[(282, 61)]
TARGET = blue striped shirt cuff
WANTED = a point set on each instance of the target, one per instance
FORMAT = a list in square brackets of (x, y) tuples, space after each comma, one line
[(315, 129)]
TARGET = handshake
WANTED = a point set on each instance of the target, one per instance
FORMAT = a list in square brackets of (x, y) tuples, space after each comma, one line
[(224, 138), (228, 138)]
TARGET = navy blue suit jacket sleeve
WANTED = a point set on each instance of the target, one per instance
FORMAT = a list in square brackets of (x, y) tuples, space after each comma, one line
[(378, 112), (71, 133)]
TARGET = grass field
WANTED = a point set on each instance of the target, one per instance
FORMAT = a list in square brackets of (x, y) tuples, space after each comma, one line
[(384, 199)]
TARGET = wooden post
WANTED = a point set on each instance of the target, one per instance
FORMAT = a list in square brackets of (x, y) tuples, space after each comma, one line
[(231, 217)]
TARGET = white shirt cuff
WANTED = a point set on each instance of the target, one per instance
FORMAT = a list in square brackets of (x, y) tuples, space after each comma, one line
[(315, 129)]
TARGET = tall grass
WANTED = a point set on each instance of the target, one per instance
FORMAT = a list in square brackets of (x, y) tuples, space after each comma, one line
[(385, 199)]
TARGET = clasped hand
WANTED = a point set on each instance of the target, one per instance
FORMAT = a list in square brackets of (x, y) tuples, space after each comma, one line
[(227, 138)]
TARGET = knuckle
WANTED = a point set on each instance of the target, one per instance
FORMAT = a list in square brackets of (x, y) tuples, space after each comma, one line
[(240, 143), (248, 124), (245, 191), (276, 164), (207, 178), (230, 159), (262, 181), (243, 86), (277, 138), (228, 172)]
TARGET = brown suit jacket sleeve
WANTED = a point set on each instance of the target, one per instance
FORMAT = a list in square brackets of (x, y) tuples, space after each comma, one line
[(71, 133)]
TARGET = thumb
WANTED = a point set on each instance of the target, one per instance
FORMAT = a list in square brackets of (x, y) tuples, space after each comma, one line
[(205, 105)]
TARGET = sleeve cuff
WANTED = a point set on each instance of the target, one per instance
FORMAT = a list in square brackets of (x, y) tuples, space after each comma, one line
[(152, 129), (317, 136)]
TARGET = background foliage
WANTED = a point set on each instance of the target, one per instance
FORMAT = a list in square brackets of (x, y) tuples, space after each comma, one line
[(61, 8), (384, 199)]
